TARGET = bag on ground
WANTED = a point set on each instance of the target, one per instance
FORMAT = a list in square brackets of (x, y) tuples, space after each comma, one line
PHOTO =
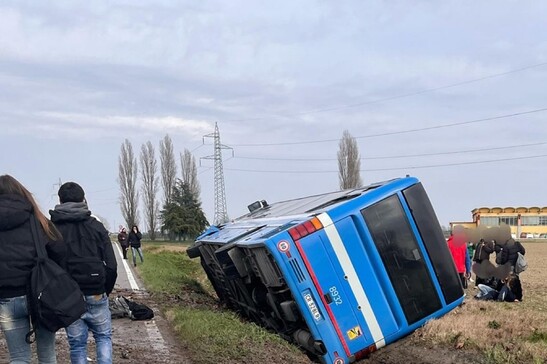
[(521, 265), (55, 300), (124, 307)]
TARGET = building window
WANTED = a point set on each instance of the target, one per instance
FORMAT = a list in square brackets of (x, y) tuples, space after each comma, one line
[(508, 220), (543, 220), (490, 221), (530, 220)]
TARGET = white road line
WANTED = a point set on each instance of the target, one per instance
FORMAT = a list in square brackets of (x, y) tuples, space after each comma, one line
[(156, 339), (130, 276)]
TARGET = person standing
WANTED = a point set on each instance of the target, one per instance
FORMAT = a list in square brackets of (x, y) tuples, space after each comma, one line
[(458, 248), (17, 258), (481, 254), (122, 239), (92, 264), (134, 238)]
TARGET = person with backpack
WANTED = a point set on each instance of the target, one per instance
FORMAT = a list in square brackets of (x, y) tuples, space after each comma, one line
[(134, 238), (481, 254), (17, 259), (507, 253), (91, 262)]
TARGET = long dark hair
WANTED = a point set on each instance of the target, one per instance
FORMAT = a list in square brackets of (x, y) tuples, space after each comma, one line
[(9, 185)]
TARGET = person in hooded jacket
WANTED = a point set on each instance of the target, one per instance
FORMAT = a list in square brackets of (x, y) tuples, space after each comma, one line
[(92, 264), (17, 258)]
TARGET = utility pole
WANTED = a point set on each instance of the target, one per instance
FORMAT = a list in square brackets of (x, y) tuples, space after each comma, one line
[(221, 213), (58, 185)]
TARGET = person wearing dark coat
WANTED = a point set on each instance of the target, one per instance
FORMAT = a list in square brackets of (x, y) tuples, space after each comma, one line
[(509, 291), (134, 238), (507, 253), (17, 258), (122, 239), (481, 254), (92, 264)]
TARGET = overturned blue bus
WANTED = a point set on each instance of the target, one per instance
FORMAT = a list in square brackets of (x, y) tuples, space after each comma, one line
[(340, 274)]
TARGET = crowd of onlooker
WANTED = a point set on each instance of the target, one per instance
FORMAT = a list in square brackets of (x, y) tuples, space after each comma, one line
[(495, 262)]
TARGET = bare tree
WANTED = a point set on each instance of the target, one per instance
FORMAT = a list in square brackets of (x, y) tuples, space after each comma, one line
[(127, 178), (168, 168), (349, 162), (190, 172), (149, 188)]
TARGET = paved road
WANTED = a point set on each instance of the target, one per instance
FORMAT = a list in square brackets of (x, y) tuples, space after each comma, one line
[(133, 341)]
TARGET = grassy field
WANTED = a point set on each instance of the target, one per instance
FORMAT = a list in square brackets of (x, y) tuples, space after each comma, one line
[(493, 332), (500, 332), (208, 333)]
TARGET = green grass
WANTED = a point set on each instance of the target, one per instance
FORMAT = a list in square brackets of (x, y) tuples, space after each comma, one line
[(208, 333), (166, 272)]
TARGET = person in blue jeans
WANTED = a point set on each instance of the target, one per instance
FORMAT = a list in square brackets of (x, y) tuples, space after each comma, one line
[(134, 239), (97, 320), (17, 258), (92, 264)]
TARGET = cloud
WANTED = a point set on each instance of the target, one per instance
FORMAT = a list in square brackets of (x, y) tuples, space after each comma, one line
[(91, 126)]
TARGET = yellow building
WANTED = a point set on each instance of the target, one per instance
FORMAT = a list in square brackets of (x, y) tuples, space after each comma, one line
[(525, 222)]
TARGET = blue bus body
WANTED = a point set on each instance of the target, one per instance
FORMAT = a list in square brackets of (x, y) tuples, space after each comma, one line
[(340, 274)]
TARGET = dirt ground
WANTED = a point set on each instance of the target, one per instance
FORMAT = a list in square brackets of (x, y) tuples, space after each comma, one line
[(145, 342)]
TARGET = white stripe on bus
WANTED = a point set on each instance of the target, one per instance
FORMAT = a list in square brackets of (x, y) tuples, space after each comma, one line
[(353, 279)]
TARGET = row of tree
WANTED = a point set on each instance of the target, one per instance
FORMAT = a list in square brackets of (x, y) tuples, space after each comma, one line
[(181, 214)]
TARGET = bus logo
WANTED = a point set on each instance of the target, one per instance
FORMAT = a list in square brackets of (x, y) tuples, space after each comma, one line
[(312, 307), (354, 333), (283, 246)]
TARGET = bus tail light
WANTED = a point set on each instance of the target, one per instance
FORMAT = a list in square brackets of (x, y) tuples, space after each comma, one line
[(362, 354), (306, 228)]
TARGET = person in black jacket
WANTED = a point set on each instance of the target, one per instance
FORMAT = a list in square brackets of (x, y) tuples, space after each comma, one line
[(134, 239), (481, 254), (122, 239), (17, 258), (92, 264), (507, 252)]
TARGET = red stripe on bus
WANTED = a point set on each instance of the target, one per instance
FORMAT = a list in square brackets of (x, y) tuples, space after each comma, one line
[(322, 296)]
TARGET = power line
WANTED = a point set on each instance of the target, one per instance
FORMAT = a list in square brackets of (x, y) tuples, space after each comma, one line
[(393, 156), (401, 131), (395, 168), (389, 98)]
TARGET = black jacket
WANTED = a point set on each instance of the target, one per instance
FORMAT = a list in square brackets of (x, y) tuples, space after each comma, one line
[(135, 239), (508, 252), (483, 251), (87, 242), (17, 248)]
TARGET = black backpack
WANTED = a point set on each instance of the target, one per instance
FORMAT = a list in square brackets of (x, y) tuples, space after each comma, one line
[(123, 307), (54, 298), (85, 263)]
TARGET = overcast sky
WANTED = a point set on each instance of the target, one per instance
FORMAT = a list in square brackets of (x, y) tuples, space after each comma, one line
[(451, 92)]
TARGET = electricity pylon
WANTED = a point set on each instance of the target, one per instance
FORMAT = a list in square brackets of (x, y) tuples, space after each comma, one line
[(221, 212)]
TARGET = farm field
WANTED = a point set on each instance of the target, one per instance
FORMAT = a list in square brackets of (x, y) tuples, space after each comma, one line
[(476, 332)]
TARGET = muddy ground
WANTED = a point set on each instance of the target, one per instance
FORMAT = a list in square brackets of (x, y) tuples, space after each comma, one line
[(144, 342), (153, 341)]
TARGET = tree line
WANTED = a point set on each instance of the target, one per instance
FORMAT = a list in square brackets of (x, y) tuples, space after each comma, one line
[(181, 215), (178, 213)]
